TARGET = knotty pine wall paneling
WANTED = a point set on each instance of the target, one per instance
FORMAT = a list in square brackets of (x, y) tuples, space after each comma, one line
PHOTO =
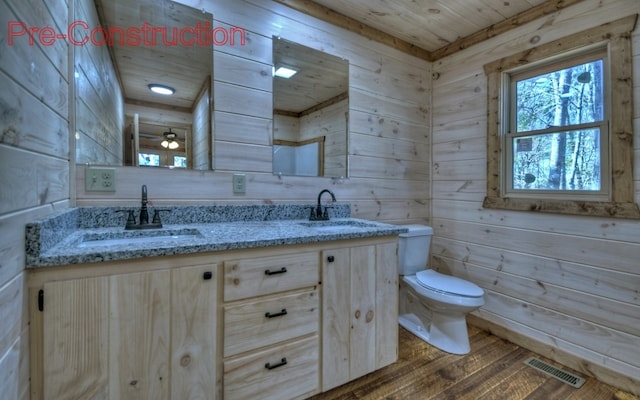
[(34, 166), (389, 120), (565, 286)]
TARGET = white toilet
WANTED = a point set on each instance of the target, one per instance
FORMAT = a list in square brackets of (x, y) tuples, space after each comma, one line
[(433, 305)]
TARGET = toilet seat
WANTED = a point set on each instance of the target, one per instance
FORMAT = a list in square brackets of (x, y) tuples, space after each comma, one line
[(447, 284)]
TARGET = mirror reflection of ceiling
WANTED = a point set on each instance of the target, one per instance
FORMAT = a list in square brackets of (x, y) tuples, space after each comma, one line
[(151, 135), (183, 68), (320, 77)]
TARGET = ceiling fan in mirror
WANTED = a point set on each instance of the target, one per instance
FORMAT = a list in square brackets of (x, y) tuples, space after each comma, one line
[(169, 141)]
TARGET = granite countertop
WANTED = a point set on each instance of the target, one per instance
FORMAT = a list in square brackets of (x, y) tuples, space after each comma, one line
[(68, 239)]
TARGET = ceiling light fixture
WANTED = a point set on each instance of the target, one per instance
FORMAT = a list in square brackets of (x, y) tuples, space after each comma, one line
[(285, 72), (161, 89), (169, 141)]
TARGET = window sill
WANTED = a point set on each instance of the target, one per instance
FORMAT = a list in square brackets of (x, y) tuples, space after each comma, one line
[(570, 207)]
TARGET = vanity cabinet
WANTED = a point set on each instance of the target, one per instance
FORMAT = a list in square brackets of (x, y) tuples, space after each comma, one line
[(144, 335), (271, 327), (359, 311), (282, 322)]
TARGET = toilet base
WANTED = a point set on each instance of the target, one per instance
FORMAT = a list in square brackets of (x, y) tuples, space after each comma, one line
[(413, 324), (444, 330), (451, 336)]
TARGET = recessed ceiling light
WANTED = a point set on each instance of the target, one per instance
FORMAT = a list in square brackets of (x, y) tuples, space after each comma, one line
[(285, 72), (161, 89)]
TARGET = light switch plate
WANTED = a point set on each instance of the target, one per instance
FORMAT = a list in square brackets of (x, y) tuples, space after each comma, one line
[(100, 179), (239, 184)]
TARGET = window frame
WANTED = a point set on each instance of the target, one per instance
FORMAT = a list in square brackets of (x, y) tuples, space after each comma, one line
[(619, 202), (510, 79)]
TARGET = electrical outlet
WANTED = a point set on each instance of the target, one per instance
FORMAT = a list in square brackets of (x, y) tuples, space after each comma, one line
[(239, 184), (100, 179)]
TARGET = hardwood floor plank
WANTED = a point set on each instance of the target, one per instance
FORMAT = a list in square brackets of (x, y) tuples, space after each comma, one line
[(458, 371), (485, 380), (594, 390), (517, 386), (552, 389), (422, 381), (493, 370)]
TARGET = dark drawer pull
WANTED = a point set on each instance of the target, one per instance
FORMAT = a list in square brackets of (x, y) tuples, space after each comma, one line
[(280, 314), (280, 271), (280, 364)]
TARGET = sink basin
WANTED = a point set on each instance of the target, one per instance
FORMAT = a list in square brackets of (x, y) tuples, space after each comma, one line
[(159, 236), (337, 226)]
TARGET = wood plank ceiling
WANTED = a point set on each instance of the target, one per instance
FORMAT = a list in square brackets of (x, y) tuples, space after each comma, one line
[(429, 29), (185, 68)]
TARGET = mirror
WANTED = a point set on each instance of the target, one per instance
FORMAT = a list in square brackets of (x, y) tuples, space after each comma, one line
[(119, 120), (311, 112)]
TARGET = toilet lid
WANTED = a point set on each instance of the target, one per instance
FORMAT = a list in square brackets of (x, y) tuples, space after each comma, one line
[(448, 284)]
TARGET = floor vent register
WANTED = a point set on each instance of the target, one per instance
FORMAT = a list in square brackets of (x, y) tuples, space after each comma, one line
[(554, 372)]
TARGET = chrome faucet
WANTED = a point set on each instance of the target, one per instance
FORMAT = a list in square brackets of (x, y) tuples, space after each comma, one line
[(320, 215)]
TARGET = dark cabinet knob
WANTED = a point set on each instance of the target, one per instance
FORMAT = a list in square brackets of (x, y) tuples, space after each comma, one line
[(331, 259)]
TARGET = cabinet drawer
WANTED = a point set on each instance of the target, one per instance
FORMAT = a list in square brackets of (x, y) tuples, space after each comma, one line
[(283, 372), (258, 276), (252, 325)]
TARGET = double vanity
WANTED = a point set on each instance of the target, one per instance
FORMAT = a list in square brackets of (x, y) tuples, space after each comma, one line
[(222, 302)]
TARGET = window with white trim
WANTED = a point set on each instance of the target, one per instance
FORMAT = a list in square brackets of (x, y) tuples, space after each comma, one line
[(556, 140), (559, 126)]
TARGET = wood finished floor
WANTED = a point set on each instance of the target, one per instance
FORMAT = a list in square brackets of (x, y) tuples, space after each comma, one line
[(494, 370)]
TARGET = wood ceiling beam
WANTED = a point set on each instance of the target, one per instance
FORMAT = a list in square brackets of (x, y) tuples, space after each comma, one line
[(335, 18), (524, 17)]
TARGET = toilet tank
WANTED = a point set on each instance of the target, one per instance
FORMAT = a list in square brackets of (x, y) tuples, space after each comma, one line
[(413, 249)]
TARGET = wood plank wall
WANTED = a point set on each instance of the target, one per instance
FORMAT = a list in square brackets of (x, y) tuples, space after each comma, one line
[(99, 101), (389, 120), (332, 123), (565, 286), (34, 166), (201, 130)]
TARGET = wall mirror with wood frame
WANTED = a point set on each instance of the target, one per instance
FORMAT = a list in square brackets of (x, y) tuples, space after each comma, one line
[(118, 119), (311, 111)]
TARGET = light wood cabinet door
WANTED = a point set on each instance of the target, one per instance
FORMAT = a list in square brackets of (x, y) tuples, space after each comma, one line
[(139, 335), (360, 311), (149, 335), (336, 311), (194, 333), (74, 339)]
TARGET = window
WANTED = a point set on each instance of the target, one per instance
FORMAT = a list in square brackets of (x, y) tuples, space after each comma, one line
[(180, 161), (559, 123), (557, 138), (148, 159)]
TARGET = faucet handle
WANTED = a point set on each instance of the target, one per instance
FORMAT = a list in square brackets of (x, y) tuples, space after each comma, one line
[(131, 219), (156, 216), (325, 214), (312, 213)]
